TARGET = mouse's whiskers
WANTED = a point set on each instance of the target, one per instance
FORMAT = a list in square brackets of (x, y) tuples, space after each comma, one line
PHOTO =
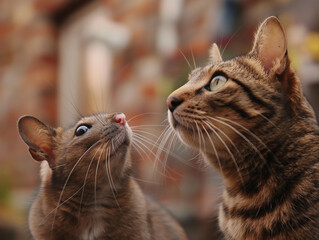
[(66, 182), (96, 172)]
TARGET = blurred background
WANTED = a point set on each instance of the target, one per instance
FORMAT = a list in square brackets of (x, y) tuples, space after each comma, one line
[(59, 58)]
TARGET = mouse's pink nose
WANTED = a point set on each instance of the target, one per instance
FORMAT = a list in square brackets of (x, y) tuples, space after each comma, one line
[(120, 118)]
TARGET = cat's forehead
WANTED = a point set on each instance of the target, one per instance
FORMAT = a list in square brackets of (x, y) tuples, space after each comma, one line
[(243, 66)]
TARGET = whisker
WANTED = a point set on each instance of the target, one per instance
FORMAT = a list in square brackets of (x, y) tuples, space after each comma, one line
[(59, 205), (107, 158), (144, 181), (151, 126), (251, 133), (163, 138), (226, 136), (229, 40), (142, 114), (193, 58), (230, 154), (267, 119), (138, 141), (215, 150), (61, 165), (109, 166), (199, 136), (245, 138), (95, 177), (145, 132), (190, 67), (67, 180), (163, 149), (86, 174)]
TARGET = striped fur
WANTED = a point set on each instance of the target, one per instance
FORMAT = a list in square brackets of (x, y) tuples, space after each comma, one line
[(87, 192), (260, 132)]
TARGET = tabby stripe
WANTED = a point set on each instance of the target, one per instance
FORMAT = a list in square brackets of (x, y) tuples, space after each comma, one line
[(249, 67), (252, 97), (292, 225), (232, 105), (277, 199)]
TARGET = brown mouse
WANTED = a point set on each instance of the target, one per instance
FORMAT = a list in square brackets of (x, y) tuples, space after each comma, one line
[(86, 190)]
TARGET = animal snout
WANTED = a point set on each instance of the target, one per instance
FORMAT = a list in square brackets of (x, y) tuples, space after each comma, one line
[(173, 103), (120, 118)]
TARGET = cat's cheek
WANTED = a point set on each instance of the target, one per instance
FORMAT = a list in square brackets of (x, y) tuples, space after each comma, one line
[(187, 138)]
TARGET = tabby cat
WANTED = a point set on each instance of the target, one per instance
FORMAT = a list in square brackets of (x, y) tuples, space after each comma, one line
[(249, 119)]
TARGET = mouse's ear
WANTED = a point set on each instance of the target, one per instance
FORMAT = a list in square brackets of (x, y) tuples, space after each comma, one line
[(39, 137)]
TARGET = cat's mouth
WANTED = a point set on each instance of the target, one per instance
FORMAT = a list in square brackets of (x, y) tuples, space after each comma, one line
[(183, 123)]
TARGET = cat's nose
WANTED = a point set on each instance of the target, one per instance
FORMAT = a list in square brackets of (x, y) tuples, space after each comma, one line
[(173, 103), (120, 118)]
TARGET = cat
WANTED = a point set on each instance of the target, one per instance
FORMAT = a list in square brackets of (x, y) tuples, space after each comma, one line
[(86, 190), (249, 119)]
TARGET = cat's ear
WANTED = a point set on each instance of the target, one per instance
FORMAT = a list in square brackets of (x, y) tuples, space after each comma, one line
[(214, 54), (270, 46), (39, 137)]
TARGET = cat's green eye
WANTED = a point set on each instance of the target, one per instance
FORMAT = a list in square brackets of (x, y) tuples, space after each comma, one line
[(217, 82)]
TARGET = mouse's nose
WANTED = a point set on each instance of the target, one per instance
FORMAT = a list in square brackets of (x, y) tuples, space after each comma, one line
[(120, 118), (173, 103)]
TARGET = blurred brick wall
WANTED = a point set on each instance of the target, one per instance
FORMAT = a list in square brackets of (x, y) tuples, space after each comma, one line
[(28, 85)]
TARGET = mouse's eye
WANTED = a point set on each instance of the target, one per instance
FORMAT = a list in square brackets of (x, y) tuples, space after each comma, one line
[(80, 130)]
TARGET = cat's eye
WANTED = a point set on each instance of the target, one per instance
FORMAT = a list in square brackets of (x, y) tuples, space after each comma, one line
[(217, 82), (80, 130)]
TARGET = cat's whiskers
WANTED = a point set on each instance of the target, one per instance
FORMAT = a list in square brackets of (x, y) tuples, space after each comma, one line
[(164, 137), (199, 136), (160, 148), (144, 132), (144, 181), (137, 142), (229, 152), (194, 62), (143, 114), (266, 118), (150, 126), (189, 65), (61, 165), (246, 139), (228, 138), (215, 150), (229, 40), (252, 134)]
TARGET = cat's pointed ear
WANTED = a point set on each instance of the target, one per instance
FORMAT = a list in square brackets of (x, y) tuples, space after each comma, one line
[(270, 46), (39, 137), (214, 54)]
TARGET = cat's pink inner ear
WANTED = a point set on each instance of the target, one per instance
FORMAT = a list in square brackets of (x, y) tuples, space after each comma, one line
[(271, 45), (39, 137), (214, 54)]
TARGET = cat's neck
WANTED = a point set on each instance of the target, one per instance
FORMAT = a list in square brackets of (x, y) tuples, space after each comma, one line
[(269, 157)]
